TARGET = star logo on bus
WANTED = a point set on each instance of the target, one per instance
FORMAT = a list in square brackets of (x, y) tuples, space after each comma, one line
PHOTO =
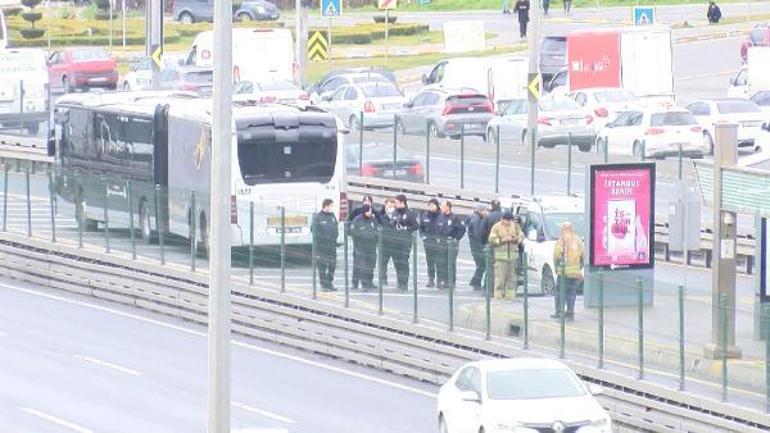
[(199, 152)]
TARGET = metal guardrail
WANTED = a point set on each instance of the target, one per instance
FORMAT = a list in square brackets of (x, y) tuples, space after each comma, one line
[(24, 147), (421, 351), (463, 202)]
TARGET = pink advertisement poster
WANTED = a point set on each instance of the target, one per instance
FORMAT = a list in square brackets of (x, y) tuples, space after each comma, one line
[(623, 215)]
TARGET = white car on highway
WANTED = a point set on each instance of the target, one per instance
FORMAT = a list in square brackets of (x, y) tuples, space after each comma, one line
[(378, 101), (746, 114), (604, 103), (525, 395), (557, 119), (654, 132)]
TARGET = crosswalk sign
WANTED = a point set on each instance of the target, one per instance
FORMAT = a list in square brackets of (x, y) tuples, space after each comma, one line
[(644, 15), (331, 8), (317, 47)]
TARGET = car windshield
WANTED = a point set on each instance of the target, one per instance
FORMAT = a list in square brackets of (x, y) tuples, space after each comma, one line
[(553, 222), (555, 44), (277, 86), (559, 105), (731, 107), (672, 118), (372, 78), (200, 77), (614, 96), (379, 152), (533, 384), (89, 54), (761, 98), (380, 90)]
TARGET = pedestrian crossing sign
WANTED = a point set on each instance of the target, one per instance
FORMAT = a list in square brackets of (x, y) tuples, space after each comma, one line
[(644, 15), (331, 8)]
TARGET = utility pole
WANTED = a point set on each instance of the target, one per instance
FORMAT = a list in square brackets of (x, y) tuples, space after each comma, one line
[(301, 42), (153, 28), (532, 114), (219, 253)]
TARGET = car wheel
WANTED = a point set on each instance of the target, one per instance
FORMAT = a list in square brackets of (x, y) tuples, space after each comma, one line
[(203, 236), (127, 86), (442, 427), (32, 128), (601, 145), (585, 147), (433, 131), (639, 153), (492, 137), (65, 83), (243, 16), (354, 123), (400, 127), (708, 142), (145, 225), (88, 225), (547, 282), (186, 18), (524, 137)]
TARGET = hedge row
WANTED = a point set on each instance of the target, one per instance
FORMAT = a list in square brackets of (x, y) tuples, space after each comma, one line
[(363, 34)]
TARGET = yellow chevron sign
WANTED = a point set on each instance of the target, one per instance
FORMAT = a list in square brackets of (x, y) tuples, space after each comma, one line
[(535, 86), (317, 47)]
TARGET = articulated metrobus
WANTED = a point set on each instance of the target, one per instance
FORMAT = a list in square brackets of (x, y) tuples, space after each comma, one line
[(144, 156)]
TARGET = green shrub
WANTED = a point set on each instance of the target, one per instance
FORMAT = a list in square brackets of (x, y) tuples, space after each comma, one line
[(381, 19), (363, 34), (32, 33)]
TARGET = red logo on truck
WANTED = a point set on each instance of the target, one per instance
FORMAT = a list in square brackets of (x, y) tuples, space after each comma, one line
[(593, 59)]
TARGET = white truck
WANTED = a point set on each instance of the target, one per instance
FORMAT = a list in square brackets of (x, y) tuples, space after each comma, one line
[(638, 60)]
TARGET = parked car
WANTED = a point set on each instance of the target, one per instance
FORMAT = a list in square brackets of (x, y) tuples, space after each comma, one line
[(553, 56), (378, 162), (739, 83), (140, 75), (282, 92), (189, 78), (446, 113), (82, 68), (653, 132), (558, 118), (604, 103), (762, 99), (519, 395), (379, 101), (758, 37), (194, 11), (330, 85), (746, 114)]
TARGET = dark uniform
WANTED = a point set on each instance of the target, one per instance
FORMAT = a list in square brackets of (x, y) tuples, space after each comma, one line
[(475, 226), (522, 9), (493, 218), (451, 228), (325, 231), (428, 231), (397, 243), (364, 231)]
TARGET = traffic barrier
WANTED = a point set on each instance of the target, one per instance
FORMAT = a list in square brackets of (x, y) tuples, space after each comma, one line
[(424, 351)]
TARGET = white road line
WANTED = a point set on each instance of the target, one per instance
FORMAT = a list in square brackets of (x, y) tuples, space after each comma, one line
[(55, 420), (263, 413), (274, 353), (107, 365)]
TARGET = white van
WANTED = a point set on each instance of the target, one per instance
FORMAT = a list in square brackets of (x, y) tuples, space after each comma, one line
[(3, 31), (258, 54), (500, 78), (23, 88)]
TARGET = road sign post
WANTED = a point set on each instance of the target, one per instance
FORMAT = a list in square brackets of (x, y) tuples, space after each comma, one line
[(387, 6), (330, 9), (534, 84), (154, 37)]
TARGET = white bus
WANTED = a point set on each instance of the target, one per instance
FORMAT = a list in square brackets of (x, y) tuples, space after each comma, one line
[(282, 157)]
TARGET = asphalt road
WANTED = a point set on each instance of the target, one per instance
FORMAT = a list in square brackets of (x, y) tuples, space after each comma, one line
[(73, 365)]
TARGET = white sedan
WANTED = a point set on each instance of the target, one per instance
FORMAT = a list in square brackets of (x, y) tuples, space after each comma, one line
[(519, 396), (604, 103), (655, 132), (746, 114), (378, 101)]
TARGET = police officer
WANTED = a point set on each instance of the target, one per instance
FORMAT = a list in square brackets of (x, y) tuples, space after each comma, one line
[(494, 217), (404, 224), (367, 201), (387, 221), (325, 231), (428, 230), (451, 228), (364, 231), (475, 227)]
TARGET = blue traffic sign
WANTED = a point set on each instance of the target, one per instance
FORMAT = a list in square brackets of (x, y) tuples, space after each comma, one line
[(331, 8), (644, 15)]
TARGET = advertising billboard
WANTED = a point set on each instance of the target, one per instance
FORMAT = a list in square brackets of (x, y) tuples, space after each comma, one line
[(593, 59), (622, 216)]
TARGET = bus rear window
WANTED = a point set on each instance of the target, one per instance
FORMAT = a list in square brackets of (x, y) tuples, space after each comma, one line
[(270, 155)]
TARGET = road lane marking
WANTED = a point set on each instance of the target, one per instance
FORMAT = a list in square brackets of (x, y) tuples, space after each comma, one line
[(274, 353), (55, 420), (107, 365), (263, 413)]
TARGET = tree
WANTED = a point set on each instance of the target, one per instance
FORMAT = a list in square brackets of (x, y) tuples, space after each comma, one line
[(31, 17)]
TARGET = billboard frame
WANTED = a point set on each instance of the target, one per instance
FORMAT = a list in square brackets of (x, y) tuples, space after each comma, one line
[(593, 171)]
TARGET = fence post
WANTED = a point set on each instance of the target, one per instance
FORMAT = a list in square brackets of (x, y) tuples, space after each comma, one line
[(414, 277), (361, 146), (283, 249), (131, 233), (605, 151), (450, 283), (601, 320), (497, 160), (5, 197), (640, 302), (462, 156), (380, 272), (488, 292), (346, 262), (314, 262), (52, 201), (427, 154), (681, 338), (395, 148), (723, 323), (526, 300), (767, 363), (193, 231), (106, 215), (251, 243), (82, 212), (158, 225), (562, 313), (29, 204), (569, 163)]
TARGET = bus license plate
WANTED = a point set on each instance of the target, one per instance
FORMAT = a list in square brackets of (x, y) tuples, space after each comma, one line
[(390, 173), (291, 221)]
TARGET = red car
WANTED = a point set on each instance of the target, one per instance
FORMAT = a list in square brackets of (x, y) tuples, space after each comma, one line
[(82, 68), (759, 37)]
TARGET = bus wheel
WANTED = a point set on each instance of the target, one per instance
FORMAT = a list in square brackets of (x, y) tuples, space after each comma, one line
[(88, 225), (145, 225), (203, 236)]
